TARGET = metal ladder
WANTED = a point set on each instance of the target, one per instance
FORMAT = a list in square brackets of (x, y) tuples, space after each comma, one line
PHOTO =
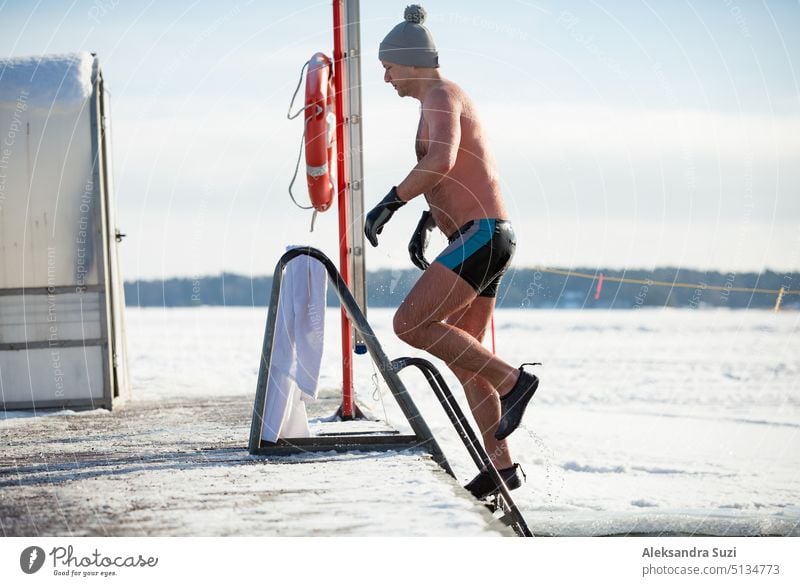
[(503, 501), (422, 438)]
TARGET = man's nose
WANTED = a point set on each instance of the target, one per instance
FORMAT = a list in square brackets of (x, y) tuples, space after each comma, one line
[(386, 77)]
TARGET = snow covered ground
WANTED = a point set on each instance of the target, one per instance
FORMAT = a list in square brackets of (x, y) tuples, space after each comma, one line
[(646, 422)]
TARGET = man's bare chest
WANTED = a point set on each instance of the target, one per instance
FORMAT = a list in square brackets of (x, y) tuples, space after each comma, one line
[(421, 142)]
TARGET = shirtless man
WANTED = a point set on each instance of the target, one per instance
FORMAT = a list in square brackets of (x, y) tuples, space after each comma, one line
[(447, 311)]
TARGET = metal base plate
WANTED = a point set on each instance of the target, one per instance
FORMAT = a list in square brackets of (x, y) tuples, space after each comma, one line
[(343, 436)]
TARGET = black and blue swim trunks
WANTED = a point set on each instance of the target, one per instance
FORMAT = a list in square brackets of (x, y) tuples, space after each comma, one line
[(480, 252)]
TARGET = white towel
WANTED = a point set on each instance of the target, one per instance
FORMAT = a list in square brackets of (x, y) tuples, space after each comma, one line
[(296, 349)]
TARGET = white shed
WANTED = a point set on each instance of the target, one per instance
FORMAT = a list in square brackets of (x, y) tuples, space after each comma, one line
[(62, 333)]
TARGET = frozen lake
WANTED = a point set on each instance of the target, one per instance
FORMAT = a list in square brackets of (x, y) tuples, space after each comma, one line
[(646, 422)]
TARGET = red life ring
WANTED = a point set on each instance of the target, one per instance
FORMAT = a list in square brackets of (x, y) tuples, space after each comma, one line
[(320, 131)]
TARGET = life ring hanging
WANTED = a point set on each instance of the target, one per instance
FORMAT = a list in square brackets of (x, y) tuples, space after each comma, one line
[(320, 131)]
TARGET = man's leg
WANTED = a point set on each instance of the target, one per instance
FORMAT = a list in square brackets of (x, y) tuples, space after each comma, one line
[(481, 395), (419, 321)]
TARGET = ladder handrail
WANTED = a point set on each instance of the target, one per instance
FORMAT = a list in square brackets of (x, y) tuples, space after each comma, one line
[(466, 433), (359, 321), (456, 416)]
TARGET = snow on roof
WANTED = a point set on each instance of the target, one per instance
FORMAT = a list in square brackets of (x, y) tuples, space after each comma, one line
[(46, 81)]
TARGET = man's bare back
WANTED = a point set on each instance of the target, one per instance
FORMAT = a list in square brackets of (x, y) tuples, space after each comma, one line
[(470, 190)]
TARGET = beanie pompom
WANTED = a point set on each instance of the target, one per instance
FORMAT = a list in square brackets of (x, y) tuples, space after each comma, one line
[(415, 14), (409, 42)]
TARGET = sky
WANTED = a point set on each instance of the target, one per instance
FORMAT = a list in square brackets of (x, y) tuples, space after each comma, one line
[(627, 134)]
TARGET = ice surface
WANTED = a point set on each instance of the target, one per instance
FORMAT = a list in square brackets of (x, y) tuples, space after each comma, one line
[(650, 421)]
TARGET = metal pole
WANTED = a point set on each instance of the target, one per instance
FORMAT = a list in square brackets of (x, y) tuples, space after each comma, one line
[(339, 67), (103, 247), (355, 158), (350, 181)]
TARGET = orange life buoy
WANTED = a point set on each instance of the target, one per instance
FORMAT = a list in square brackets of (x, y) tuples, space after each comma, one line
[(320, 131)]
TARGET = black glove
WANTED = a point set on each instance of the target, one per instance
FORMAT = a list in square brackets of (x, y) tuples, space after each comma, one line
[(419, 240), (380, 214)]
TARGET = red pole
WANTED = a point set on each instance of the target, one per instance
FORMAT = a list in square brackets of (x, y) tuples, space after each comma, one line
[(346, 409)]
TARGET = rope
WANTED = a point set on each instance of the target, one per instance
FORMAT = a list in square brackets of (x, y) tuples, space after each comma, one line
[(294, 177), (291, 116), (650, 282), (377, 391)]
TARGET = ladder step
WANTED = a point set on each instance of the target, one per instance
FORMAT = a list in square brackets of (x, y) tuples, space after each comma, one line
[(353, 427), (341, 444)]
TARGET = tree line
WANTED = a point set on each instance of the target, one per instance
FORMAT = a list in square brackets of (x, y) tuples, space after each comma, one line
[(520, 288)]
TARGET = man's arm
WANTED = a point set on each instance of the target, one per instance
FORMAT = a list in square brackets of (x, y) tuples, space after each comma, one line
[(442, 114)]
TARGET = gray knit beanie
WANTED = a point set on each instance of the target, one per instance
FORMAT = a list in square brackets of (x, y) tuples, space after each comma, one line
[(410, 43)]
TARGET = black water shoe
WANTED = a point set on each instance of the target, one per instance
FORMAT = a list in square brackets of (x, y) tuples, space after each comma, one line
[(512, 405), (482, 485)]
